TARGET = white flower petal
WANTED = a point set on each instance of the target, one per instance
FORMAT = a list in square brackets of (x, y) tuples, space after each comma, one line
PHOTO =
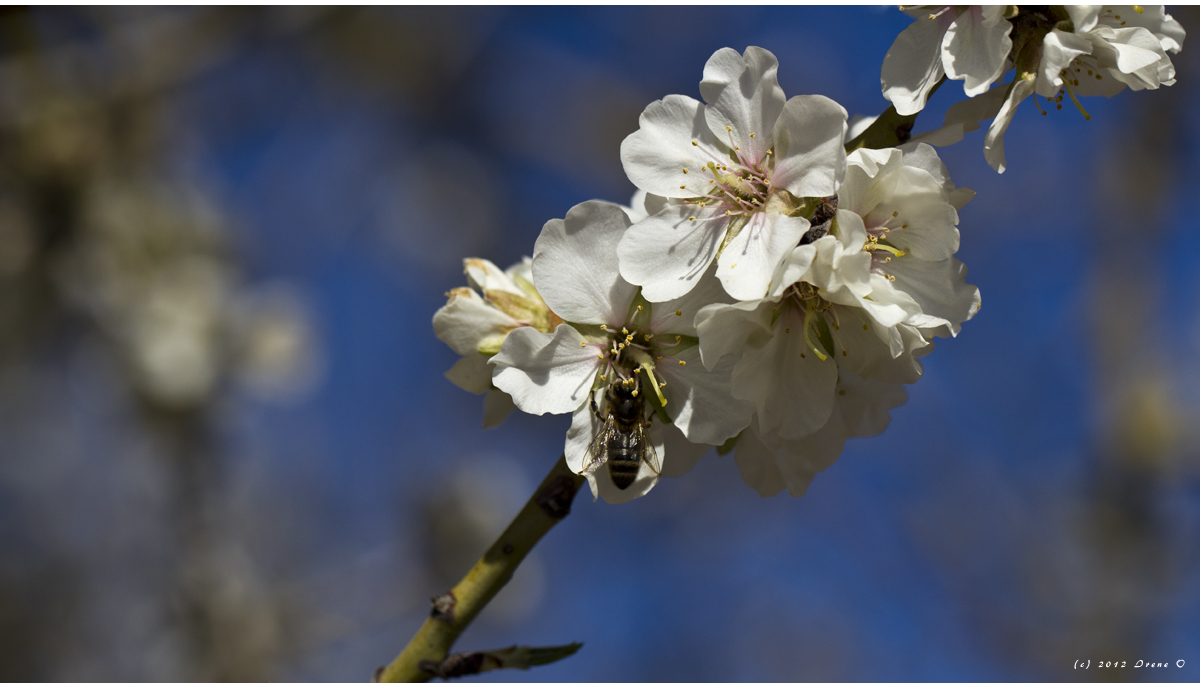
[(939, 287), (584, 426), (699, 400), (1059, 49), (964, 117), (485, 276), (926, 220), (923, 157), (799, 460), (863, 404), (993, 143), (467, 320), (708, 291), (756, 463), (668, 253), (732, 328), (497, 406), (743, 94), (809, 158), (791, 387), (867, 179), (746, 265), (842, 274), (656, 154), (684, 455), (1083, 17), (794, 268), (472, 372), (858, 349), (913, 65), (643, 205), (545, 373), (575, 265), (976, 46)]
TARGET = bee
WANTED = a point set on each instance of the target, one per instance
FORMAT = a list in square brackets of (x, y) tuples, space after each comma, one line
[(623, 441)]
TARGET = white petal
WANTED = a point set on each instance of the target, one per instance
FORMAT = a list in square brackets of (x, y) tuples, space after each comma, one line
[(708, 291), (993, 143), (643, 205), (575, 265), (521, 275), (472, 373), (485, 276), (858, 349), (467, 320), (1137, 49), (1059, 49), (976, 47), (939, 287), (743, 94), (913, 65), (667, 253), (863, 404), (746, 265), (799, 460), (794, 268), (656, 154), (887, 305), (809, 157), (925, 223), (732, 328), (791, 387), (1083, 17), (842, 274), (923, 157), (684, 455), (699, 400), (496, 407), (756, 463), (868, 179), (545, 373), (964, 117), (584, 426)]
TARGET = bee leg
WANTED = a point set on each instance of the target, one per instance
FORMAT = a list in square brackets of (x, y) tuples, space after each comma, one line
[(595, 410)]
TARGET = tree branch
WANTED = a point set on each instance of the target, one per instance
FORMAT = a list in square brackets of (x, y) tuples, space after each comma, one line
[(453, 611)]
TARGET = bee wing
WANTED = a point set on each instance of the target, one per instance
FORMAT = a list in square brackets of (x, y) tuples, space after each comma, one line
[(598, 451), (649, 455)]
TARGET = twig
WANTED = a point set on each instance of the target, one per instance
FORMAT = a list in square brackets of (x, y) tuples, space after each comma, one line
[(453, 611)]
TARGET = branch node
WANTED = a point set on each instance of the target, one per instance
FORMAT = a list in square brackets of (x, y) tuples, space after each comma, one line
[(443, 607), (555, 499), (455, 665)]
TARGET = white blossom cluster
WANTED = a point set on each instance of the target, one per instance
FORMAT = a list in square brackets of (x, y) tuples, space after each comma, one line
[(1055, 50), (766, 291)]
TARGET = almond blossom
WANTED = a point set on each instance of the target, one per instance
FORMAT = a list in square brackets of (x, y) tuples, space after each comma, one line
[(1059, 51), (732, 169), (475, 326), (864, 299), (611, 335)]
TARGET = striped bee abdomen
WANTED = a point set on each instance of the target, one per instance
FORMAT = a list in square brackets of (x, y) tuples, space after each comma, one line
[(624, 458)]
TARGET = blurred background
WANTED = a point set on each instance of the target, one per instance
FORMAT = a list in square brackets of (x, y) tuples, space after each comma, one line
[(227, 451)]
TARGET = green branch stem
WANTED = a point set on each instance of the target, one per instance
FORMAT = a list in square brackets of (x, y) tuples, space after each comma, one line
[(453, 611)]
